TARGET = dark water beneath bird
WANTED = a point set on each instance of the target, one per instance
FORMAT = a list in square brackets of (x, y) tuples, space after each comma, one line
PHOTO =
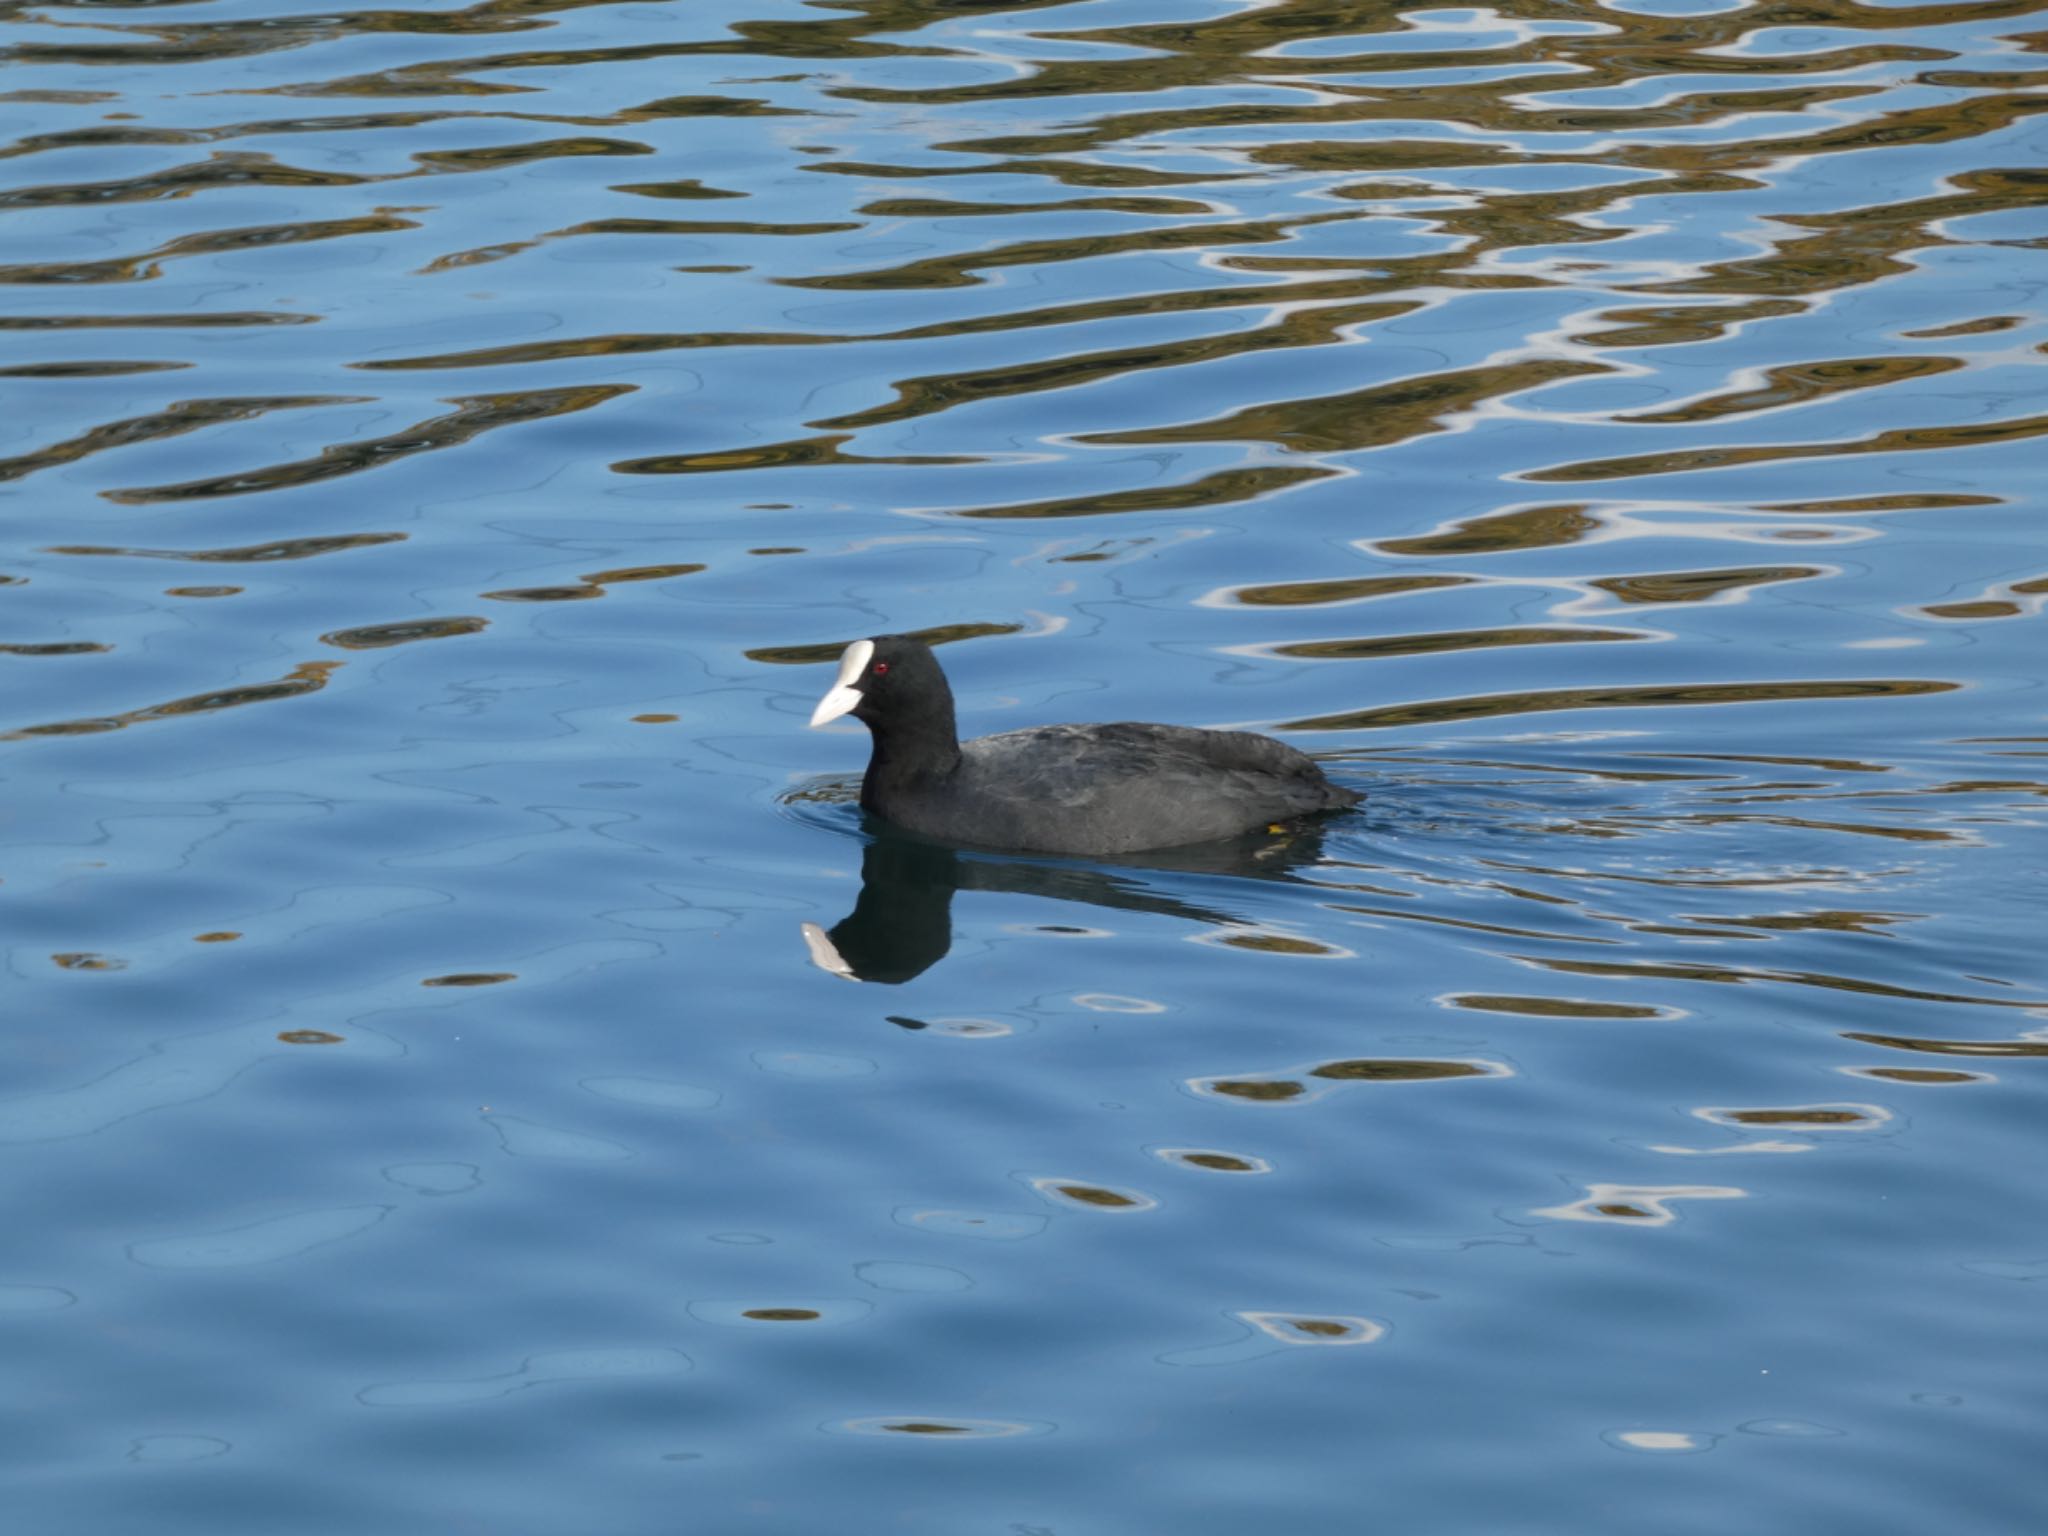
[(444, 448)]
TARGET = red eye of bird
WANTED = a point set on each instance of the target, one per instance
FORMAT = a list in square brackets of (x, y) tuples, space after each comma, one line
[(881, 667)]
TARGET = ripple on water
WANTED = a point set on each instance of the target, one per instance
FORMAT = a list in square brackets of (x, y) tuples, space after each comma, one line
[(747, 1314), (259, 1242), (994, 1226), (435, 1178), (652, 1093), (1213, 1161), (1263, 1334), (1073, 1194), (35, 1298), (1607, 434), (1805, 1118), (1636, 1205), (521, 1137), (561, 1367), (178, 1448), (895, 1275), (928, 1428), (1303, 1085)]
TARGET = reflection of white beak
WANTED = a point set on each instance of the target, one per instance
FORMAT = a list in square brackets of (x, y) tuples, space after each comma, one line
[(843, 698), (823, 954)]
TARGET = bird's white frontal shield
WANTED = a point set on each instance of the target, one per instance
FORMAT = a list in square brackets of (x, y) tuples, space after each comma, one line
[(842, 697)]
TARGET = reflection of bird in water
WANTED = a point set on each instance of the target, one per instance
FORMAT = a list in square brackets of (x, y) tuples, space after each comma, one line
[(1081, 789), (903, 922)]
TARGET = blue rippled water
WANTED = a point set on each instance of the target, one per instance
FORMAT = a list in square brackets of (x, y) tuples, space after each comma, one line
[(469, 1069)]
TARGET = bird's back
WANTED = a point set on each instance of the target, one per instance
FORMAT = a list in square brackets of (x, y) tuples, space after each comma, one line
[(1120, 787)]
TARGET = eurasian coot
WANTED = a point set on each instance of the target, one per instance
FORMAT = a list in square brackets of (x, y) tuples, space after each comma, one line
[(1083, 789)]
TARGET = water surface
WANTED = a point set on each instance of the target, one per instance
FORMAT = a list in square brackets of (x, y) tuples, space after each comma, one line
[(445, 448)]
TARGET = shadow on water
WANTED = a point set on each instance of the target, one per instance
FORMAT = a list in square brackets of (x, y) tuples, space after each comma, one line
[(902, 924)]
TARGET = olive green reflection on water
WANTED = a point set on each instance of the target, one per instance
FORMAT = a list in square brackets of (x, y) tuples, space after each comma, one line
[(224, 169), (1523, 528), (1987, 326), (1264, 1091), (367, 637), (1380, 646), (570, 592), (1798, 383), (1920, 1076), (1354, 285), (1098, 1197), (149, 264), (799, 453), (1875, 923), (307, 677), (622, 344), (1813, 1117), (1698, 586), (1894, 440), (961, 271), (1277, 943), (1283, 1089), (936, 634), (172, 421), (1834, 764), (1398, 1071), (198, 320), (1349, 589), (1867, 245), (671, 228), (89, 368), (1674, 325), (1488, 706), (642, 573), (1300, 328), (1376, 417), (1737, 975), (683, 189), (1224, 487), (1556, 1007), (499, 157), (1216, 1162), (279, 549), (2009, 1048), (1994, 605), (473, 416)]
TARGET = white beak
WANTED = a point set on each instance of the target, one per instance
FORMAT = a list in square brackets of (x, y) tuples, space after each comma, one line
[(843, 698)]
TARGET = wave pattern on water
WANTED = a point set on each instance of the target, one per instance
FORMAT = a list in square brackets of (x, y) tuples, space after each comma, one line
[(1607, 432), (1276, 255)]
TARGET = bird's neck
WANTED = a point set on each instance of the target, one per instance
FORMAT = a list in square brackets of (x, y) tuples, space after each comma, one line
[(911, 751)]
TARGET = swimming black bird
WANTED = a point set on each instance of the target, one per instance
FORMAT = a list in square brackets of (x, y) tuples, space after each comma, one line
[(1080, 789)]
